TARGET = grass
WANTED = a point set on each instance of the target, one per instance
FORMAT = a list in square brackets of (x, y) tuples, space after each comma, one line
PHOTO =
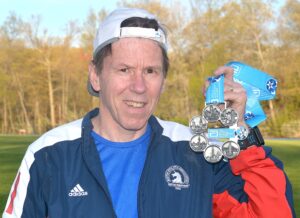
[(12, 149), (288, 151)]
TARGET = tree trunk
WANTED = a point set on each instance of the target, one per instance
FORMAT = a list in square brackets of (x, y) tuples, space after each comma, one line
[(5, 120), (261, 57), (11, 121), (65, 97), (28, 124), (20, 93), (37, 118), (51, 94)]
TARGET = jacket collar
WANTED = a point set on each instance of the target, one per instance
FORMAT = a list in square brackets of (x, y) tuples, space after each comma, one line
[(87, 125), (90, 153)]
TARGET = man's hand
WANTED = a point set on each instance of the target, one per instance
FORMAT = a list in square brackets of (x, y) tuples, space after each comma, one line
[(234, 93)]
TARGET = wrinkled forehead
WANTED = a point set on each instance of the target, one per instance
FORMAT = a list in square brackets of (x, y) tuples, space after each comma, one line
[(133, 50), (133, 43)]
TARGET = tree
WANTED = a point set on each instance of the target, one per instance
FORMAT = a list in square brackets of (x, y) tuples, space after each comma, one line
[(13, 62)]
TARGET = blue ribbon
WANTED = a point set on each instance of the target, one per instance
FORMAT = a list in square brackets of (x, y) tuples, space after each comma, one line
[(221, 133), (258, 85), (215, 90)]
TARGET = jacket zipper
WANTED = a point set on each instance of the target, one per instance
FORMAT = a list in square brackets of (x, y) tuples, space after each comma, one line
[(143, 176)]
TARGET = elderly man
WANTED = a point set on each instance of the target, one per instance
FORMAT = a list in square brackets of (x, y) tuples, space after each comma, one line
[(121, 161)]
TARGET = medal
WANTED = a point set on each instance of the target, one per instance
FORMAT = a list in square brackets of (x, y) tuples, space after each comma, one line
[(218, 124), (242, 132), (198, 124), (223, 124), (211, 113), (229, 117), (210, 121), (212, 154), (198, 143), (214, 96), (230, 149)]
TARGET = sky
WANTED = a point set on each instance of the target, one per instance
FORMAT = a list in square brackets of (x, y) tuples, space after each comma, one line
[(55, 14)]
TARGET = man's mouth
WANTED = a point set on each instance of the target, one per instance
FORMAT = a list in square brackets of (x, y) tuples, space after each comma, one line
[(135, 104)]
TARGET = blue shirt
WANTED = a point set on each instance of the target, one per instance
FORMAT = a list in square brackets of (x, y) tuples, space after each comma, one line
[(122, 164)]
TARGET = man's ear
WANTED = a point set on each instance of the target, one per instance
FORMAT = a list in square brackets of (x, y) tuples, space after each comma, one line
[(93, 77)]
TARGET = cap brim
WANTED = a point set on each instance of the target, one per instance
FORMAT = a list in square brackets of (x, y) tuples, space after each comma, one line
[(91, 90)]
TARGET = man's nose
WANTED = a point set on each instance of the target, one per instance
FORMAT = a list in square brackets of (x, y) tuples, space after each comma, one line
[(138, 84)]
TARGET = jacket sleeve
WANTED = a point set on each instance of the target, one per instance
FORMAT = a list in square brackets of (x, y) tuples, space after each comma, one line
[(26, 195), (253, 185)]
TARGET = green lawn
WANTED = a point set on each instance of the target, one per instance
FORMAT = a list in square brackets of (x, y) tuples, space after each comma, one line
[(289, 152), (12, 149)]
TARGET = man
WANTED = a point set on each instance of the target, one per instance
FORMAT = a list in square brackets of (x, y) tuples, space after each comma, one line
[(121, 161)]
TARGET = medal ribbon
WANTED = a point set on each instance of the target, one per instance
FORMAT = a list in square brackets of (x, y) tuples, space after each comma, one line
[(258, 85), (221, 133), (215, 91)]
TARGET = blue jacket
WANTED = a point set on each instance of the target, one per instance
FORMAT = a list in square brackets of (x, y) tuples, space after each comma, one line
[(61, 176)]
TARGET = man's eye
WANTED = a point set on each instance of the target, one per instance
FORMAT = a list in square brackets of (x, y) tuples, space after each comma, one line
[(150, 70), (124, 70)]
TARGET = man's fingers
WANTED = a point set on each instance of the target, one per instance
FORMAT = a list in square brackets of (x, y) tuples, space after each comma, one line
[(232, 94), (226, 70), (234, 90), (230, 85)]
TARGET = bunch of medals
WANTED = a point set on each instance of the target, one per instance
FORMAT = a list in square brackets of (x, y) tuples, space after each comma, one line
[(216, 123)]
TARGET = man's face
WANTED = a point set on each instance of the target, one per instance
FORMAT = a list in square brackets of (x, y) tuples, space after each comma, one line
[(130, 83)]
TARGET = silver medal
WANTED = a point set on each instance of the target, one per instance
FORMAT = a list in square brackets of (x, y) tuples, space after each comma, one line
[(242, 132), (213, 154), (229, 117), (211, 113), (198, 143), (198, 124), (230, 149)]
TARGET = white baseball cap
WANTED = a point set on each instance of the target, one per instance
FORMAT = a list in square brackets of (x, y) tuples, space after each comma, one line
[(110, 30)]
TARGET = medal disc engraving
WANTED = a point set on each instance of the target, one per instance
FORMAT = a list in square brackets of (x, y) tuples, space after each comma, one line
[(229, 117), (198, 143), (213, 154), (242, 132), (198, 124), (230, 149), (211, 113)]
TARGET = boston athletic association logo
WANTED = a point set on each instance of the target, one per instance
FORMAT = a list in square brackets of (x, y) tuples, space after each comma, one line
[(177, 177)]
